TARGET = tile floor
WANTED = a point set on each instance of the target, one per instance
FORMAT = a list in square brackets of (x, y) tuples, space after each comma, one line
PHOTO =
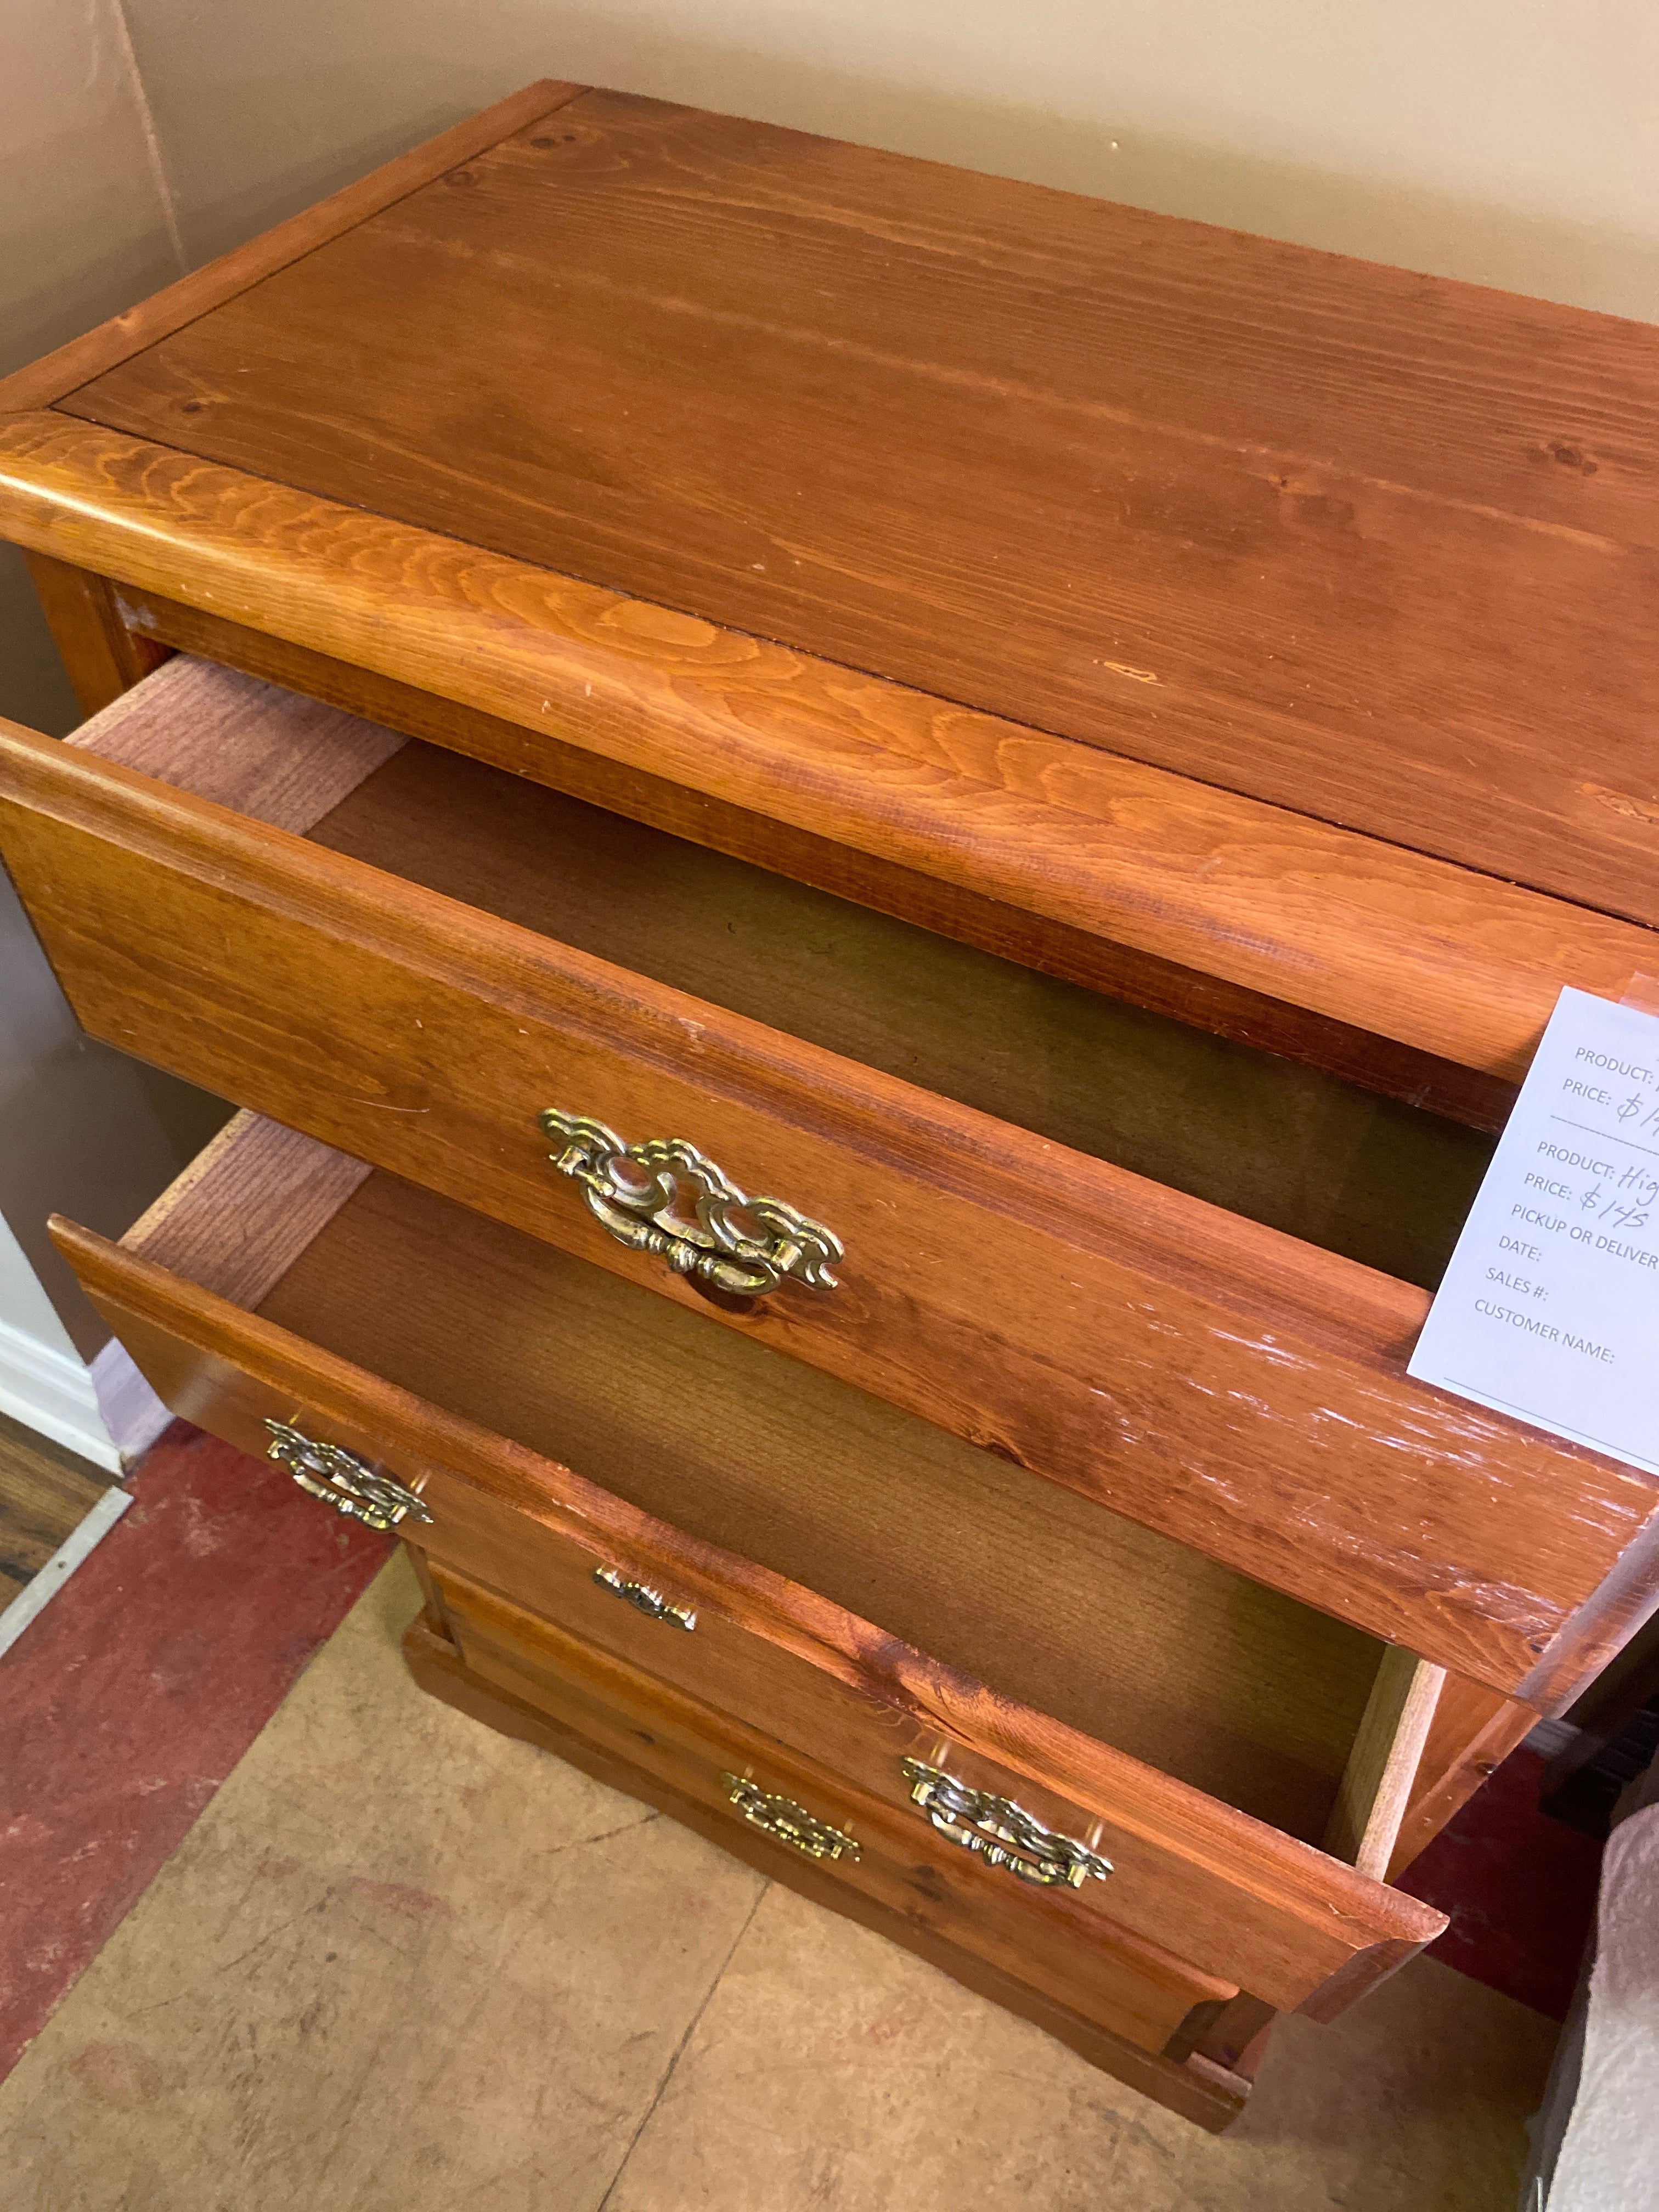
[(135, 1692), (401, 1963)]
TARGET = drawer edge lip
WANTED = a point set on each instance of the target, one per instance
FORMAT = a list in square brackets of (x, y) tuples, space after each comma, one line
[(1301, 1879), (1469, 1096), (510, 638)]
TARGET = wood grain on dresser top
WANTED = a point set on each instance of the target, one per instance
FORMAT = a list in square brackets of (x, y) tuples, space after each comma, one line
[(1447, 962), (179, 305), (1246, 1394), (1373, 534), (1369, 544)]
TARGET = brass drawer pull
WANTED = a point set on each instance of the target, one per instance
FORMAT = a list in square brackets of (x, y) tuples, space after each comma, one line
[(343, 1480), (789, 1823), (652, 1603), (1002, 1833), (663, 1196)]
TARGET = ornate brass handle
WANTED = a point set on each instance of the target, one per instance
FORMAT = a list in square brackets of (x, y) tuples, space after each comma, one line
[(789, 1823), (1003, 1833), (343, 1480), (644, 1600), (663, 1196)]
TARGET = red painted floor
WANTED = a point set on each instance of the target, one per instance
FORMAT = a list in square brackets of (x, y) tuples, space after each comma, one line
[(132, 1696), (1520, 1888), (125, 1705)]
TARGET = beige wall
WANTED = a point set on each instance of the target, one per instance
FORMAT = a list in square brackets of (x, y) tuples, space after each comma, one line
[(1507, 140), (86, 231), (1511, 141)]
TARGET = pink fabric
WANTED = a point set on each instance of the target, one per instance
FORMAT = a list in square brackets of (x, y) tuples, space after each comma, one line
[(1609, 2160)]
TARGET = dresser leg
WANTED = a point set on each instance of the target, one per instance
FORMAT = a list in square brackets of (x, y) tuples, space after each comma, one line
[(103, 658), (1235, 2037), (1195, 2086), (435, 1619)]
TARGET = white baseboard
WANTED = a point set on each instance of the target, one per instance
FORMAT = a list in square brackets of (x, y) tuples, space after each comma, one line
[(54, 1392), (27, 1606), (132, 1412)]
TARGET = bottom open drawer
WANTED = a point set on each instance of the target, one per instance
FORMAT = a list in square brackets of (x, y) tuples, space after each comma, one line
[(881, 1849), (985, 1676)]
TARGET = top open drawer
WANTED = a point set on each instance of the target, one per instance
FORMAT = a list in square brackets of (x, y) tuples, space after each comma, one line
[(412, 956)]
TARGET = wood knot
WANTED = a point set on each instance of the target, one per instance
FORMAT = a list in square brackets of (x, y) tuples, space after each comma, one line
[(1000, 1449), (1623, 802), (1565, 456)]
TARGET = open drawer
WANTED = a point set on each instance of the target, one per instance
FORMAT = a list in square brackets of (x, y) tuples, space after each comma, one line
[(1177, 1276), (867, 1590), (1047, 1936)]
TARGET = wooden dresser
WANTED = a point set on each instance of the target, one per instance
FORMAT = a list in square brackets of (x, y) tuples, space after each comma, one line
[(873, 851)]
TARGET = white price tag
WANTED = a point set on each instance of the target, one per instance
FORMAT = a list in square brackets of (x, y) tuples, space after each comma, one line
[(1550, 1307)]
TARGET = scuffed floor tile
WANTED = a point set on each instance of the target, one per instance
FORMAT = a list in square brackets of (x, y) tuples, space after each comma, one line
[(399, 1962), (402, 1964), (126, 1703), (832, 2070)]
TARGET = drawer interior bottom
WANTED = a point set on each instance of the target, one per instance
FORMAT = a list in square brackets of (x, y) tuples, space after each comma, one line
[(1374, 1179), (1043, 1596)]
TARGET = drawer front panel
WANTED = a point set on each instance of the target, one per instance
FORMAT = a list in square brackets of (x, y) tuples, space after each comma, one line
[(1209, 1379), (1048, 1939), (1270, 1914), (857, 1732)]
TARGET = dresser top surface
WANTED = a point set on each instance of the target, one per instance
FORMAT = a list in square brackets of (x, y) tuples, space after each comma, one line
[(1375, 547)]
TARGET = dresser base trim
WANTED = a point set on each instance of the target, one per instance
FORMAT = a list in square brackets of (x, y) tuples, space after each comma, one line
[(1196, 2088)]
